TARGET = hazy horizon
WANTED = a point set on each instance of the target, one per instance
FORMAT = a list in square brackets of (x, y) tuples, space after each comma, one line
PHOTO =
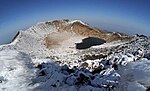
[(126, 16)]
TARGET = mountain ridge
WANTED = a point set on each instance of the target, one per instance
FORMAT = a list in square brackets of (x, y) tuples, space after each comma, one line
[(78, 27), (65, 58)]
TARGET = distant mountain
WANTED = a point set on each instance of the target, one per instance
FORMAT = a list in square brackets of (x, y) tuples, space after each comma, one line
[(70, 55)]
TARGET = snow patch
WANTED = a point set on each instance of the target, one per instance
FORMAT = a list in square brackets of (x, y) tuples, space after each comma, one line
[(73, 21), (16, 71)]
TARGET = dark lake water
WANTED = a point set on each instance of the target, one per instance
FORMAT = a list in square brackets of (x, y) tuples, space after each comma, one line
[(88, 42)]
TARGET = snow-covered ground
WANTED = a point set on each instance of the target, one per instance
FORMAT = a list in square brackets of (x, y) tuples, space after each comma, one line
[(16, 71), (136, 76)]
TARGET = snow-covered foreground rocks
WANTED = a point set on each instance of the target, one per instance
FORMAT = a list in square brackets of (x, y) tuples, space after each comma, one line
[(52, 77), (124, 67)]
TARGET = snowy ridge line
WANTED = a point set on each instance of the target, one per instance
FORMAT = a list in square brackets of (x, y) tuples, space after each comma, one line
[(73, 21)]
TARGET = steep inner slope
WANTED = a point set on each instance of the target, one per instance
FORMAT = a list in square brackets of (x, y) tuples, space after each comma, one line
[(82, 29)]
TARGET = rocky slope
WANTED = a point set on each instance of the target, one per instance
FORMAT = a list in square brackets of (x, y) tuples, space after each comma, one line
[(69, 55)]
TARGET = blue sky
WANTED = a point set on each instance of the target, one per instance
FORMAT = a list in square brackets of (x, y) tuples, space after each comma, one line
[(127, 16)]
